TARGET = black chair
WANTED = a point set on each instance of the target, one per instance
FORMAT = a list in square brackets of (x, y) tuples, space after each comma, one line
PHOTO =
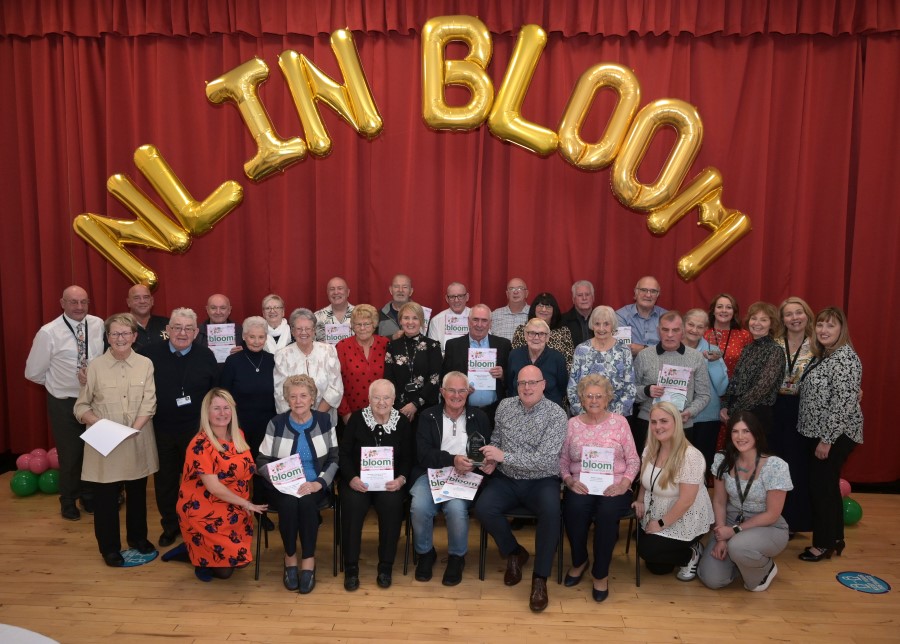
[(632, 529), (521, 512)]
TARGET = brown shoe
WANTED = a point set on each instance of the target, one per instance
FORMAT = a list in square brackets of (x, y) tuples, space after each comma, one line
[(514, 565), (538, 600)]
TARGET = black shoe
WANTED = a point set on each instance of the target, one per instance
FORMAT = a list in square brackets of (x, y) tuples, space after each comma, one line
[(70, 512), (384, 577), (114, 559), (453, 573), (824, 553), (291, 578), (267, 524), (426, 563), (167, 538), (574, 580), (87, 505), (145, 547), (351, 578), (599, 595), (307, 581)]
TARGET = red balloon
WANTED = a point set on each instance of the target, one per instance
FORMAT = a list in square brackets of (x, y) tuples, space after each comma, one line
[(845, 488), (38, 451), (39, 463), (23, 461), (53, 457)]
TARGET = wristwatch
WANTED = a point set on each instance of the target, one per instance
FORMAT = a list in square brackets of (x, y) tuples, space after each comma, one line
[(662, 523), (736, 528)]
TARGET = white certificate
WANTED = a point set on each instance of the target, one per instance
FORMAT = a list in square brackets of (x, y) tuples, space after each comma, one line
[(334, 333), (105, 435), (455, 326), (287, 475), (436, 480), (220, 338), (623, 335), (597, 468), (376, 467), (481, 361), (462, 486)]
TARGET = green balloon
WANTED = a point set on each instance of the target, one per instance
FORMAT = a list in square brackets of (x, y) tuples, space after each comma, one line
[(852, 511), (24, 483), (48, 482)]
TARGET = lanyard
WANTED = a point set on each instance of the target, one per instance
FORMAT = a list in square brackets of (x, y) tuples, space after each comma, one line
[(744, 493), (653, 480), (717, 334), (791, 361)]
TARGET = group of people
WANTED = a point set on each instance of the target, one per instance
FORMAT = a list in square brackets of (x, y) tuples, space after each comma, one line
[(651, 393)]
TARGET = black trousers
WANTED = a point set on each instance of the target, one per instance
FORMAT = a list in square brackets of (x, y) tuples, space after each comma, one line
[(579, 511), (662, 554), (66, 434), (299, 516), (825, 491), (106, 513), (639, 428), (703, 436), (171, 447), (354, 506)]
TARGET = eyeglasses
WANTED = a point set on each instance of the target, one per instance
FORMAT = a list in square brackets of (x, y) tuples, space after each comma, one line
[(516, 289), (536, 334), (648, 291), (529, 383), (363, 325), (78, 302), (377, 399), (183, 329), (543, 306), (273, 308), (457, 298), (303, 329), (455, 392), (595, 396), (115, 335)]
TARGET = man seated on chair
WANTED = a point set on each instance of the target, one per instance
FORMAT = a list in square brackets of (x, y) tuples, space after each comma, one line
[(524, 448), (441, 441)]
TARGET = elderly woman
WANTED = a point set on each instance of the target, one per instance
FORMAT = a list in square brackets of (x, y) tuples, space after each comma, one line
[(832, 422), (672, 503), (278, 331), (317, 360), (595, 426), (760, 369), (750, 486), (378, 425), (725, 336), (120, 387), (603, 355), (310, 434), (214, 508), (545, 307), (362, 359), (705, 430), (795, 340), (412, 363), (550, 361)]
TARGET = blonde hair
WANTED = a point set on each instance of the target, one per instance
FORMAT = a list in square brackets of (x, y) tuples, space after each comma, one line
[(237, 436), (680, 446)]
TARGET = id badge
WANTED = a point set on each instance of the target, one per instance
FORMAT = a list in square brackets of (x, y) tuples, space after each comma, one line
[(183, 401)]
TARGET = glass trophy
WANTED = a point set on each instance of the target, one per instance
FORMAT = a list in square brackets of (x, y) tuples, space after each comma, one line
[(473, 448)]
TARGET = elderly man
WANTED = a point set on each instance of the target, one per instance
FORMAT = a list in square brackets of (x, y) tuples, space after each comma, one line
[(57, 361), (184, 372), (151, 328), (507, 318), (642, 316), (457, 297), (525, 447), (218, 310), (456, 358), (578, 317), (337, 312), (442, 439), (670, 351), (401, 292)]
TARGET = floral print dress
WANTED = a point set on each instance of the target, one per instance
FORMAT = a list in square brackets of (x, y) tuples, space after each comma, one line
[(217, 533)]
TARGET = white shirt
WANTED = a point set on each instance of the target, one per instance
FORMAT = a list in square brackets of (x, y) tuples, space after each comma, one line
[(321, 365), (451, 444), (53, 360), (437, 328)]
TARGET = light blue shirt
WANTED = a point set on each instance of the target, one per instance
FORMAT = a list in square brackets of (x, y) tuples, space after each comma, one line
[(643, 330)]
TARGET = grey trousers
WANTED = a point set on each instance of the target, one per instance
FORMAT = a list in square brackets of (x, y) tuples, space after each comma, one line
[(750, 554)]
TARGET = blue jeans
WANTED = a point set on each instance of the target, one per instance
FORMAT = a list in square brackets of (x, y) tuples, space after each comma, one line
[(423, 510)]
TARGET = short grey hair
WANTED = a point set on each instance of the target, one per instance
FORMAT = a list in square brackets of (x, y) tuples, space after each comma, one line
[(252, 322), (582, 283), (383, 381), (453, 374), (304, 314), (183, 312), (604, 312)]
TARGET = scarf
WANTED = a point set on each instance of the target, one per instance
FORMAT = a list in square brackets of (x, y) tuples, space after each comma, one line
[(284, 331)]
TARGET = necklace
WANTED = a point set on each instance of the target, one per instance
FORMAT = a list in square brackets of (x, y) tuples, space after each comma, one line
[(255, 366)]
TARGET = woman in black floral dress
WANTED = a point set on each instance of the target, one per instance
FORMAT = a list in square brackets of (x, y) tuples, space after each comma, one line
[(413, 364)]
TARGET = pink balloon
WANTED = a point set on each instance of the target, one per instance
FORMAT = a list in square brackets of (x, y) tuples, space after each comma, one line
[(39, 463), (39, 451), (52, 450), (845, 487), (23, 462), (53, 457)]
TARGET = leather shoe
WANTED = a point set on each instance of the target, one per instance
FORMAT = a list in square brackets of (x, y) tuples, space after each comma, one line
[(351, 581), (307, 581), (167, 538), (145, 547), (291, 579), (574, 580), (514, 565), (425, 565), (599, 595), (114, 559), (538, 600), (87, 505), (70, 512), (384, 579), (453, 573)]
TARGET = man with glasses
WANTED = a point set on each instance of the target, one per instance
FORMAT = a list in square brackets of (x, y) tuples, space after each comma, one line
[(524, 448), (57, 361), (457, 297), (401, 291), (184, 372), (508, 318), (151, 328), (456, 358), (642, 316), (442, 438), (338, 310)]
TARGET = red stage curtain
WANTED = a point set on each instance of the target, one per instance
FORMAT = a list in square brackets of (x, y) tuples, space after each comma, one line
[(799, 109)]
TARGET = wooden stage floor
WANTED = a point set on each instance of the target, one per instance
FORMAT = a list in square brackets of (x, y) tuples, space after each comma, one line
[(54, 582)]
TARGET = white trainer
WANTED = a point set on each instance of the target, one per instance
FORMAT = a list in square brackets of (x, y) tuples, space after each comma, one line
[(689, 572), (764, 584)]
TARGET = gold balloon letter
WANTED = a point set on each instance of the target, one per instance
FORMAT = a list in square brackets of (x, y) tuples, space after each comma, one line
[(728, 226), (672, 112), (469, 72), (152, 228), (505, 120), (240, 85), (598, 155), (353, 100)]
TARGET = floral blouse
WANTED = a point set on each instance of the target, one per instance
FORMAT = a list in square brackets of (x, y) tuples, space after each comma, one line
[(414, 366), (794, 366), (757, 377), (560, 339), (614, 364), (613, 432), (829, 397), (774, 475)]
